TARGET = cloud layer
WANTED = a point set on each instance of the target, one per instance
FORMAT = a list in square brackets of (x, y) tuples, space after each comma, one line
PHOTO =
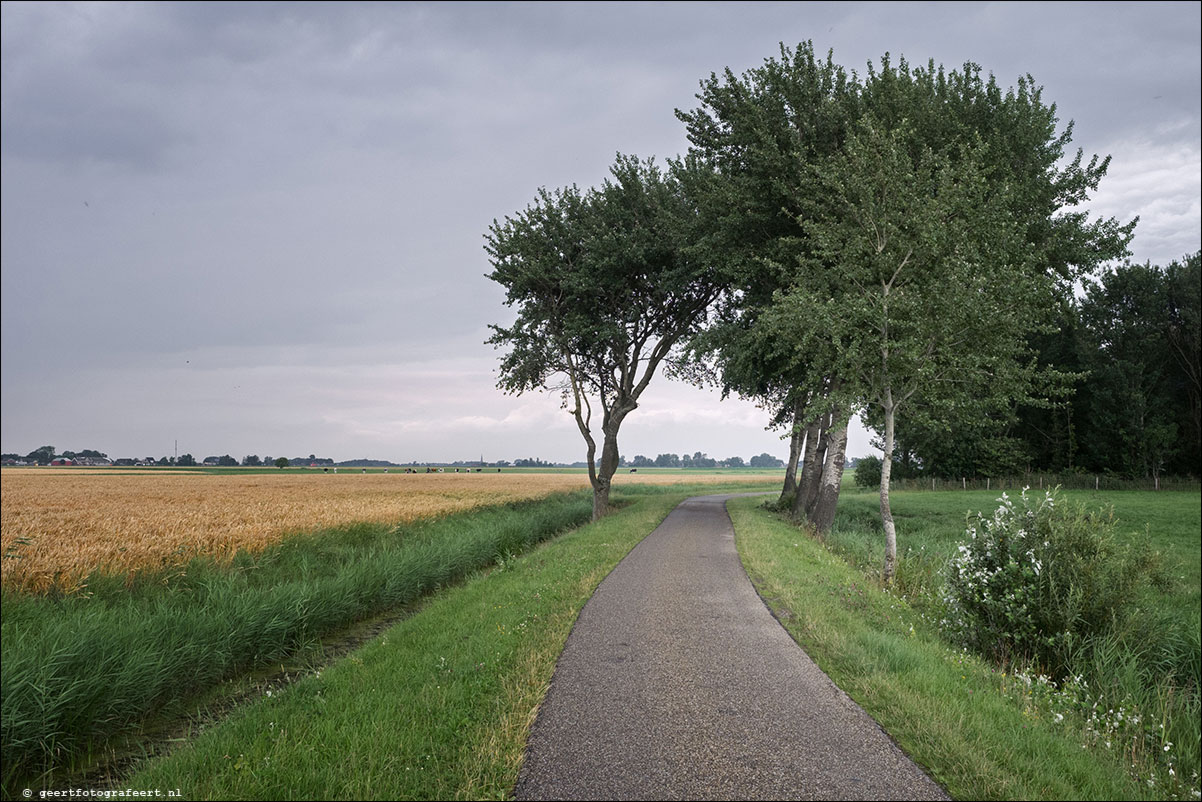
[(258, 228)]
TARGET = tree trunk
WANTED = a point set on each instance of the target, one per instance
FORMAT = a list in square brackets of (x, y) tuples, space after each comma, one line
[(823, 514), (886, 512), (811, 467), (789, 491), (609, 464), (601, 498)]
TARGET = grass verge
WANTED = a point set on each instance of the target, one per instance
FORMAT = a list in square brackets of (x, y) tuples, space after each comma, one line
[(980, 731), (1136, 689), (78, 670), (438, 707)]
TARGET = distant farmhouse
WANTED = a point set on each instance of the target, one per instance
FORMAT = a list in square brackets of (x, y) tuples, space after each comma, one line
[(82, 461)]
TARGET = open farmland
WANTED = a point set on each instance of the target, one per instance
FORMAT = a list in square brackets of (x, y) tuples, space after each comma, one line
[(83, 674), (60, 525)]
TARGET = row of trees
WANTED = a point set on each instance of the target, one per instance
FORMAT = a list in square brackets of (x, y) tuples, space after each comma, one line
[(44, 455), (700, 460), (831, 243)]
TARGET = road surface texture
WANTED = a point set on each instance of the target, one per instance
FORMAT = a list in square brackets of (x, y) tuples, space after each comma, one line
[(677, 683)]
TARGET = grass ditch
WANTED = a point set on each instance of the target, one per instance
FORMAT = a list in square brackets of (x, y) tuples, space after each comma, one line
[(500, 666), (985, 731), (437, 707), (78, 670)]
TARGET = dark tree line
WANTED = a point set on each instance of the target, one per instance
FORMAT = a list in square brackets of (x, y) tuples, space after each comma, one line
[(1129, 345)]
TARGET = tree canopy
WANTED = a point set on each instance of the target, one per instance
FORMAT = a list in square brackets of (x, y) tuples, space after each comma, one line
[(900, 237), (903, 243), (607, 283)]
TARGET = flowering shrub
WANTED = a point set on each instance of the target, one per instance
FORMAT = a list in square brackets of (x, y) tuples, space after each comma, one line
[(1036, 582)]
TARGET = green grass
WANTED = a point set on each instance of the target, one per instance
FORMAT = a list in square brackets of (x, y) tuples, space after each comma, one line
[(440, 706), (1161, 639), (941, 706), (82, 675), (930, 525), (79, 670), (1148, 669)]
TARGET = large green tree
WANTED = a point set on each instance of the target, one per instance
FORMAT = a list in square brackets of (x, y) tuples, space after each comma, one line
[(919, 279), (902, 233), (758, 133), (606, 283), (1127, 398), (960, 186)]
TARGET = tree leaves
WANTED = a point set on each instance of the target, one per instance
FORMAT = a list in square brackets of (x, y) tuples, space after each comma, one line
[(606, 283)]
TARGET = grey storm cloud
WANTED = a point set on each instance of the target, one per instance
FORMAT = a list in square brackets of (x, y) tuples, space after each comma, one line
[(281, 197)]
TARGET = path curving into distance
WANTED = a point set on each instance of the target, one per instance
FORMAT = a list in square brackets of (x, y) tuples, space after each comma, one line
[(677, 683)]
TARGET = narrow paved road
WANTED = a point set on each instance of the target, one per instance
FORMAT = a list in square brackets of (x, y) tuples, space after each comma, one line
[(677, 683)]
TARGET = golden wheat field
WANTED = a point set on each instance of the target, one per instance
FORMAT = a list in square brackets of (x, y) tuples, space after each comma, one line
[(58, 525)]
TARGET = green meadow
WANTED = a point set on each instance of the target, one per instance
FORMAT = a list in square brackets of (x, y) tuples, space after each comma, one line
[(1125, 727)]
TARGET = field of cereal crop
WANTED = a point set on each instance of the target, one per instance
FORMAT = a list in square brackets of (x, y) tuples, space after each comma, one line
[(283, 560), (58, 525)]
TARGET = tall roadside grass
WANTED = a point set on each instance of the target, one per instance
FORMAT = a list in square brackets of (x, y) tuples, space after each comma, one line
[(1131, 691), (77, 670), (439, 706)]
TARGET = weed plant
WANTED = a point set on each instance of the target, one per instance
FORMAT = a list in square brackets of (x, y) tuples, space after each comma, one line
[(77, 669)]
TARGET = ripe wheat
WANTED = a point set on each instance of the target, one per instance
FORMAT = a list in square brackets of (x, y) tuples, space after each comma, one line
[(59, 525)]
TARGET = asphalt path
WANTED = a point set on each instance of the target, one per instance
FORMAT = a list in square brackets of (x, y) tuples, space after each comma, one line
[(678, 683)]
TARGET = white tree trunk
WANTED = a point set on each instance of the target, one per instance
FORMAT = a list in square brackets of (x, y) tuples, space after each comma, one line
[(886, 512)]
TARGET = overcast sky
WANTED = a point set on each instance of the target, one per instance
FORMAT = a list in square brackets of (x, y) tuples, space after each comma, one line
[(258, 228)]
